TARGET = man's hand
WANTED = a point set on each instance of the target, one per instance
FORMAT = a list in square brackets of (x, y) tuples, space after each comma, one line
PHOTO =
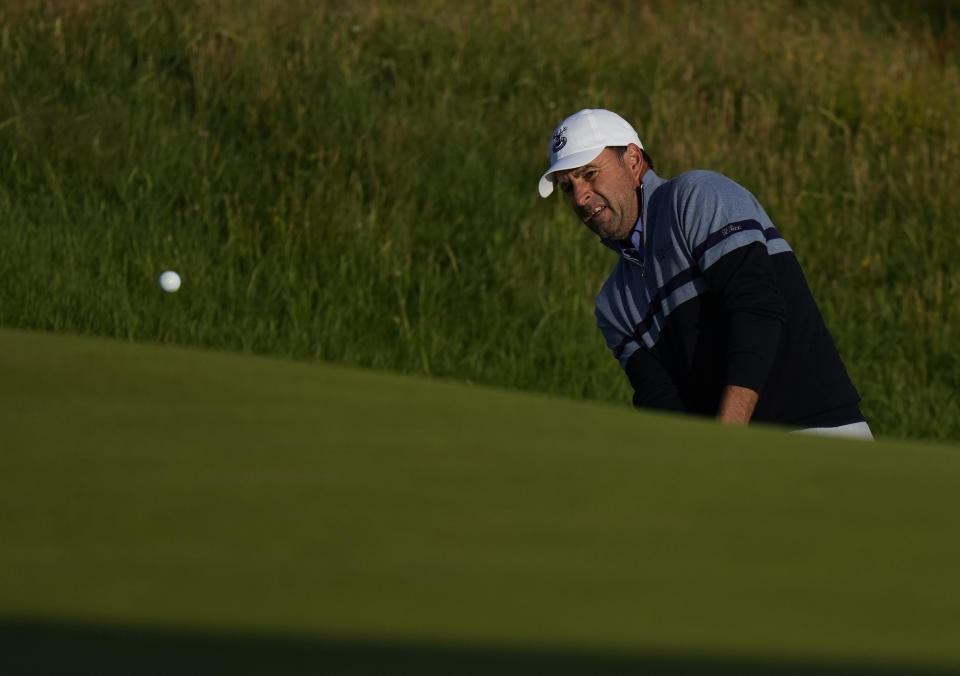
[(736, 405)]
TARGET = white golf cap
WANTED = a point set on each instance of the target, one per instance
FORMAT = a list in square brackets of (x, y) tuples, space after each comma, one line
[(583, 136)]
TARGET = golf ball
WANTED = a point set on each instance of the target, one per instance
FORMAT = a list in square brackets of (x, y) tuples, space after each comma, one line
[(169, 281)]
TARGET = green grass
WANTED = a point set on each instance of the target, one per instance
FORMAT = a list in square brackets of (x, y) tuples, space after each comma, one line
[(153, 497), (355, 182)]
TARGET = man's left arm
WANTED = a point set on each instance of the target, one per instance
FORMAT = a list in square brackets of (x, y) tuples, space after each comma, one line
[(737, 404), (728, 235), (745, 282)]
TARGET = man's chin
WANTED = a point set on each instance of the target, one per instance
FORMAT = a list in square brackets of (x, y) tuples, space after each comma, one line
[(607, 233), (605, 228)]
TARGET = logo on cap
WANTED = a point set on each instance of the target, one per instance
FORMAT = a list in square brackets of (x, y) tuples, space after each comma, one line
[(559, 140)]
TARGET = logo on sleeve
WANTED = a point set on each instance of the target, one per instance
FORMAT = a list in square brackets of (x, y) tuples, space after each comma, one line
[(559, 140), (730, 229)]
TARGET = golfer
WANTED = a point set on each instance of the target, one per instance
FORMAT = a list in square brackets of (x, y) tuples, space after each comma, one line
[(707, 309)]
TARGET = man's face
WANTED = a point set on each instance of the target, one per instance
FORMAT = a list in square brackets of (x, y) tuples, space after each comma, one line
[(603, 193)]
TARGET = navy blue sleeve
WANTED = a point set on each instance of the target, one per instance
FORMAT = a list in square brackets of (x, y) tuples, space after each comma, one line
[(746, 283), (652, 385)]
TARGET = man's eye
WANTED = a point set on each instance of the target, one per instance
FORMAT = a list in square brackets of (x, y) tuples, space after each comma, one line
[(565, 187)]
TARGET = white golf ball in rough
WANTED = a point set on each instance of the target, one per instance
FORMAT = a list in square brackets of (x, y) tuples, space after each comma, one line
[(169, 281)]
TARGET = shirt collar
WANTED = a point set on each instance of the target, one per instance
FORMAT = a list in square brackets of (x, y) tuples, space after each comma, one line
[(633, 246)]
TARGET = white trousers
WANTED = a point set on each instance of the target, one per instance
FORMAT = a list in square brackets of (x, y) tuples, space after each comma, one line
[(858, 430)]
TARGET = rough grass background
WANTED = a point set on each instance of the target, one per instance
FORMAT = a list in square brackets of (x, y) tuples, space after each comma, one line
[(356, 181)]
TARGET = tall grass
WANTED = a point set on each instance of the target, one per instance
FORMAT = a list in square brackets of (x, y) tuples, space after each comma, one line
[(355, 182)]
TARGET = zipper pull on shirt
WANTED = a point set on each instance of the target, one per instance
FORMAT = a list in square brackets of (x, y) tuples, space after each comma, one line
[(632, 248)]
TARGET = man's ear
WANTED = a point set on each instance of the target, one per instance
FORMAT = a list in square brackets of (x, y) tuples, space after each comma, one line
[(633, 159)]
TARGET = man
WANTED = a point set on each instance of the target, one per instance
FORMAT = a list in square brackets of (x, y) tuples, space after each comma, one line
[(707, 308)]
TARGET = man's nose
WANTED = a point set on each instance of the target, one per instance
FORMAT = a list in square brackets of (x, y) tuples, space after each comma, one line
[(581, 193)]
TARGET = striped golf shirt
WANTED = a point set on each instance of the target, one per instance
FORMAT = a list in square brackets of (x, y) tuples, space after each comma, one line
[(709, 295)]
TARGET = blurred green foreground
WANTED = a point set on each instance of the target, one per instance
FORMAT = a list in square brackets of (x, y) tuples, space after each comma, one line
[(173, 511)]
